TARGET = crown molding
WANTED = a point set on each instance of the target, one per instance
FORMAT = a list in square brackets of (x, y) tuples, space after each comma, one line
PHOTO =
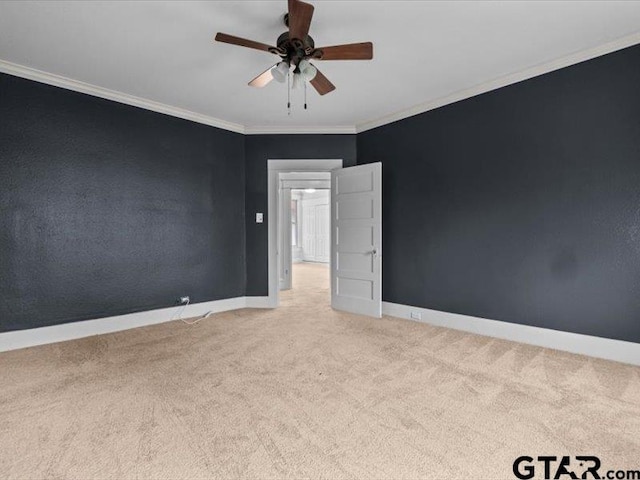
[(82, 87), (301, 130), (96, 91), (557, 64)]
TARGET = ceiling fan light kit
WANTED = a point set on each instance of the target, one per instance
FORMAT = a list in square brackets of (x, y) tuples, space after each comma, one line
[(296, 48), (307, 70), (297, 80), (280, 71)]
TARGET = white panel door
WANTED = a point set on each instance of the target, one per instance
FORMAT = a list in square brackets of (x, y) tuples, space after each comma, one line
[(316, 228), (356, 238)]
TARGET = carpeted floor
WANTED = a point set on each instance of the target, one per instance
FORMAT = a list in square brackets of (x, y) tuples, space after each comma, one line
[(306, 392)]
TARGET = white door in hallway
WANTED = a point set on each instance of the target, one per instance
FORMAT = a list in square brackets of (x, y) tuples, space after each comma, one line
[(356, 239), (315, 229)]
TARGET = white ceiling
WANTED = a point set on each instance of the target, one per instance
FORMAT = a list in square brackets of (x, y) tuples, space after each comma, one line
[(423, 51)]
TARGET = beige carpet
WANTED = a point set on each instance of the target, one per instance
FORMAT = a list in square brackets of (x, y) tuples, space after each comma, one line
[(306, 392)]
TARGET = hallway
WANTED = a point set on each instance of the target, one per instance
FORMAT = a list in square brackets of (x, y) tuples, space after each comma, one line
[(311, 285)]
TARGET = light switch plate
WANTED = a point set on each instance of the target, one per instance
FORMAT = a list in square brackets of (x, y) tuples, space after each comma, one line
[(259, 217)]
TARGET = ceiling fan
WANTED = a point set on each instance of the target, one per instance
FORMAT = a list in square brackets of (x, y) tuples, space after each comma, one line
[(296, 48)]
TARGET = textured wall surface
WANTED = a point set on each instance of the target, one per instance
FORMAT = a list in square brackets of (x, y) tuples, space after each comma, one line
[(108, 209), (522, 204), (259, 149)]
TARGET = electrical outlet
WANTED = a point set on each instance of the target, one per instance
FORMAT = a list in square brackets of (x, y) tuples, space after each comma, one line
[(184, 300), (416, 315)]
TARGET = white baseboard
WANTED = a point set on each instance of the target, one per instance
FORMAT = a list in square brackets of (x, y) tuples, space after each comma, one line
[(258, 302), (617, 350), (70, 331)]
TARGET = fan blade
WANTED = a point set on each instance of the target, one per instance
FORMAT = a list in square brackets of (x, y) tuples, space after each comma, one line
[(243, 42), (322, 84), (300, 15), (351, 51), (263, 79)]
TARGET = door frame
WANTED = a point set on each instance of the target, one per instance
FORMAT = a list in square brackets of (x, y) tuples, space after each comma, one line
[(284, 238), (274, 169)]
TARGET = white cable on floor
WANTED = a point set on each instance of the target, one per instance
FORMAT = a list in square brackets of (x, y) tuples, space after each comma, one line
[(197, 320), (206, 315), (181, 311)]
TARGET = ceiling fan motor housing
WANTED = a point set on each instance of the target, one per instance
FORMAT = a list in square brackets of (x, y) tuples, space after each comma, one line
[(294, 50)]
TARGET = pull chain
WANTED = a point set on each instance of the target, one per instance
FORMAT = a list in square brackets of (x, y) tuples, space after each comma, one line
[(288, 94), (305, 94)]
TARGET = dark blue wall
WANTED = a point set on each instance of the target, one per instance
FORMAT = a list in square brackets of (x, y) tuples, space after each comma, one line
[(108, 209), (522, 204)]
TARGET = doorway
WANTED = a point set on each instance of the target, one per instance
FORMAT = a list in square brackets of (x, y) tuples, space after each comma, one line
[(303, 223), (355, 230), (277, 169), (306, 236)]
